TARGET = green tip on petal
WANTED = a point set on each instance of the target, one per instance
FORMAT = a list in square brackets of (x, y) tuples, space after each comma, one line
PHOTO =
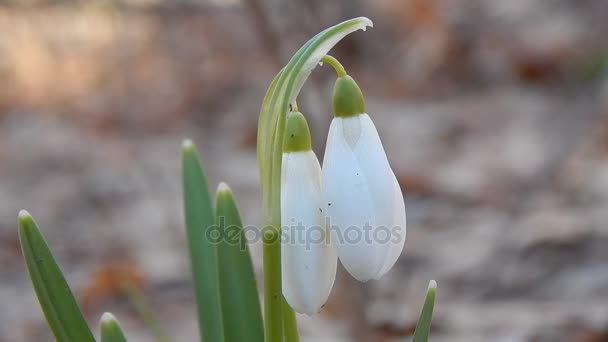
[(348, 98), (297, 134)]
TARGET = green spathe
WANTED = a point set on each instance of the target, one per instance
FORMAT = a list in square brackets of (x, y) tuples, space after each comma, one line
[(348, 99), (297, 134)]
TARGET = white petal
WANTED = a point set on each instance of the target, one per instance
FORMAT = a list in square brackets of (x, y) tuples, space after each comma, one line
[(348, 203), (308, 261), (374, 163), (398, 231), (359, 186)]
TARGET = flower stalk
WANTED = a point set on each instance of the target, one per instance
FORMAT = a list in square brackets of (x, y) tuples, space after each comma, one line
[(334, 64)]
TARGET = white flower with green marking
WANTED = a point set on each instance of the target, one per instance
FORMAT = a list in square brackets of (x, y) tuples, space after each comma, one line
[(363, 199), (308, 260)]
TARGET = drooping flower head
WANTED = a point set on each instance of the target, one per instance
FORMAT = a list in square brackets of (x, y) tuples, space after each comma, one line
[(362, 197), (308, 260)]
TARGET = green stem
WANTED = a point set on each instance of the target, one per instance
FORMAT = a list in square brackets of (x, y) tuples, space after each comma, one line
[(271, 234), (273, 320), (335, 64), (290, 324)]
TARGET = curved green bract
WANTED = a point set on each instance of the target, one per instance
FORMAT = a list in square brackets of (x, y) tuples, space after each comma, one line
[(283, 91), (56, 299)]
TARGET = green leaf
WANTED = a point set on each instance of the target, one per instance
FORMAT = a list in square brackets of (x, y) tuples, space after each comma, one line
[(55, 297), (423, 327), (203, 253), (110, 329), (242, 315), (282, 92)]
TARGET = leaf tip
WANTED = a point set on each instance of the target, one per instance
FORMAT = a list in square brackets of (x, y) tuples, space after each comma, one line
[(24, 214), (107, 318), (223, 187), (432, 285), (24, 219), (187, 144)]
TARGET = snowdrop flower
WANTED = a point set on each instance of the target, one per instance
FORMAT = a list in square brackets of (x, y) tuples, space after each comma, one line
[(308, 261), (362, 197)]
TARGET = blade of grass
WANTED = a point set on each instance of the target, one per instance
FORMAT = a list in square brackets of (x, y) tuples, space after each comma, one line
[(203, 254), (56, 299), (238, 290), (423, 327), (110, 329)]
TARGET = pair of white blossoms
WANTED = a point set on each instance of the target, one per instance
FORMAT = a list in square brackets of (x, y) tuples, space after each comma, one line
[(356, 192)]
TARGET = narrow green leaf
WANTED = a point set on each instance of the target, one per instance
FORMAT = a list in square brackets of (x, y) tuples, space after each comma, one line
[(242, 315), (55, 297), (110, 329), (203, 253), (423, 327)]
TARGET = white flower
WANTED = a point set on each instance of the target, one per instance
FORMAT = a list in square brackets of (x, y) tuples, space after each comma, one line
[(363, 199), (308, 261)]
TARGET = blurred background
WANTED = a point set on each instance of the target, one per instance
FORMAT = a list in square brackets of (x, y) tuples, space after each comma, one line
[(494, 115)]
